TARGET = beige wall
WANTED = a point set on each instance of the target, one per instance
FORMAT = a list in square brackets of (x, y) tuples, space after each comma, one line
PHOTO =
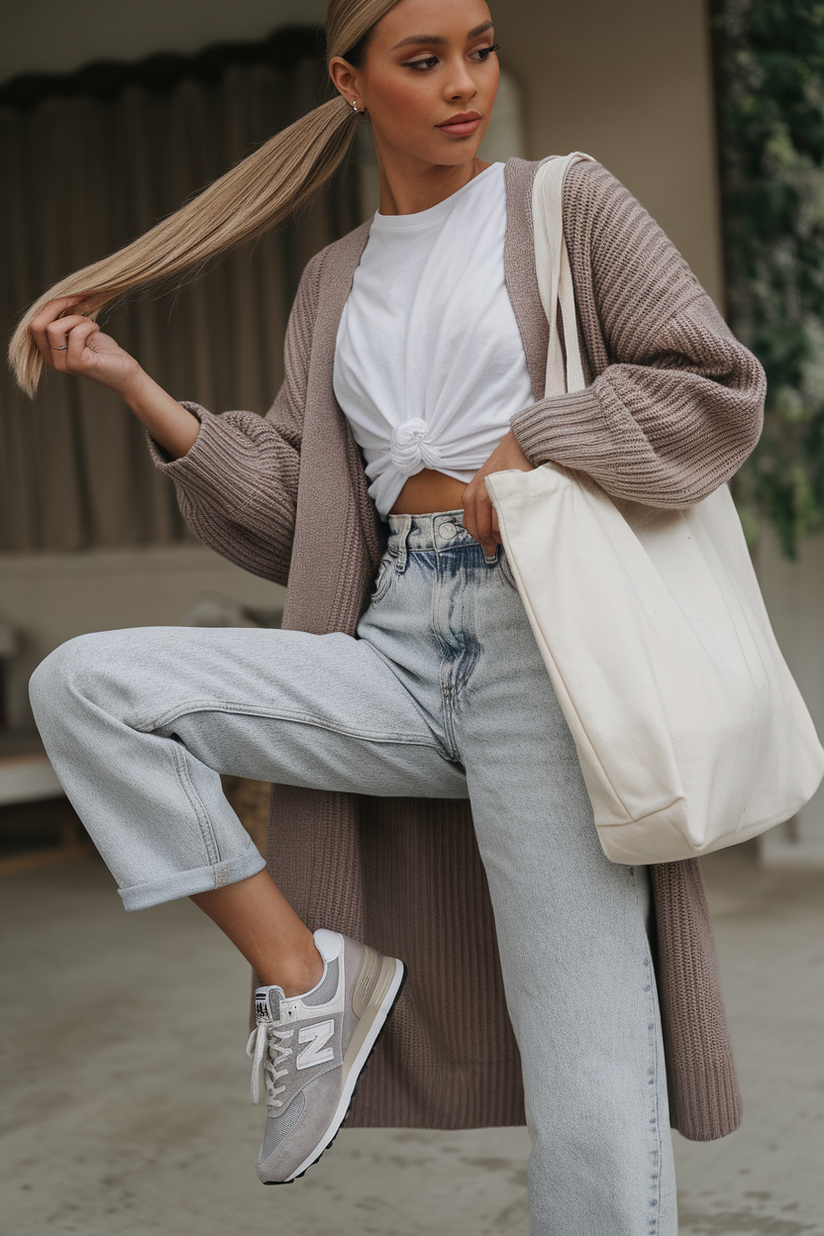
[(629, 83)]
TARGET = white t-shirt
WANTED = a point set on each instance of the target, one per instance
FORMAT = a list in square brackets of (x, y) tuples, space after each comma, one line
[(429, 362)]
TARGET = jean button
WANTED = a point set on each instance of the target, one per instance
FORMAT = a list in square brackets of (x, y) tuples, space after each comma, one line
[(448, 531)]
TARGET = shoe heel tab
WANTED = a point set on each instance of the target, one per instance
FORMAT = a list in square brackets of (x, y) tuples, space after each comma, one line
[(328, 943)]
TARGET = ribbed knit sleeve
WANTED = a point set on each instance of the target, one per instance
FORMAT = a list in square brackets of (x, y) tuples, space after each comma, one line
[(237, 484), (676, 404)]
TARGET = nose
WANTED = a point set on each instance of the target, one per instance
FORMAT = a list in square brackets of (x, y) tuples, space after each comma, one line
[(461, 84)]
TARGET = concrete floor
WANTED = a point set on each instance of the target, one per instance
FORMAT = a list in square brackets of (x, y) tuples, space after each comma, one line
[(125, 1078)]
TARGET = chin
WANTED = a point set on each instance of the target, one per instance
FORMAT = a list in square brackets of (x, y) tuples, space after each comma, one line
[(454, 151)]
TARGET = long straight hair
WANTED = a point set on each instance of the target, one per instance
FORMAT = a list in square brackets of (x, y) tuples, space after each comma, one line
[(260, 191)]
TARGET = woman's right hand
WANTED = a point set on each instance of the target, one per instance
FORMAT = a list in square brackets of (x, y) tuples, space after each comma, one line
[(75, 344)]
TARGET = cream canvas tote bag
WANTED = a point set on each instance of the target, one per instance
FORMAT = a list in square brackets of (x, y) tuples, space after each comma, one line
[(690, 729)]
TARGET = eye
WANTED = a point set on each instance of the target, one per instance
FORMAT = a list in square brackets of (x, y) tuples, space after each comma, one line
[(426, 62), (483, 53)]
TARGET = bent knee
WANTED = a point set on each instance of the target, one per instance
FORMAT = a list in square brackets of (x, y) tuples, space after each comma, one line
[(70, 672)]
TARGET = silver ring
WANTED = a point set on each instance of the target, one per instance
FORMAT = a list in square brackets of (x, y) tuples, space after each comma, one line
[(63, 347)]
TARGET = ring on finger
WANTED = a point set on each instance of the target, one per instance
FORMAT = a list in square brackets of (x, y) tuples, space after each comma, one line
[(62, 348)]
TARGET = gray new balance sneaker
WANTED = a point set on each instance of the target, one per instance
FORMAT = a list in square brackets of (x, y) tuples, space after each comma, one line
[(311, 1050)]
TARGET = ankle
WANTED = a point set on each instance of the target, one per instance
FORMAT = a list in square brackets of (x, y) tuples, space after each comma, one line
[(302, 972)]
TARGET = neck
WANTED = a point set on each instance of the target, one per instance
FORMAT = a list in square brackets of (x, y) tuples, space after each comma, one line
[(410, 186)]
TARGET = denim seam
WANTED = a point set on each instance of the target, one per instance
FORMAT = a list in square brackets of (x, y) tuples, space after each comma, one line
[(446, 682), (446, 668), (190, 706), (201, 815), (401, 535)]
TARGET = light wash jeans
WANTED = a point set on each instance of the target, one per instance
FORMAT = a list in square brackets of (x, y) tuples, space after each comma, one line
[(442, 694)]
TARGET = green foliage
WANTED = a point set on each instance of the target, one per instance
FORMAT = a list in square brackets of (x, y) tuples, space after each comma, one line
[(771, 104)]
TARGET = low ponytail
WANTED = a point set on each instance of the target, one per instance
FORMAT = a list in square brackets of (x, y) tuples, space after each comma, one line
[(259, 192)]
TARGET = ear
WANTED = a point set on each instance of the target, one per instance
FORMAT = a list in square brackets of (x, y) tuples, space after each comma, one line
[(344, 78)]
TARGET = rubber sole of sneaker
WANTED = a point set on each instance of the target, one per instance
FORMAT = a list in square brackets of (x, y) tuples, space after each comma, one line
[(356, 1071)]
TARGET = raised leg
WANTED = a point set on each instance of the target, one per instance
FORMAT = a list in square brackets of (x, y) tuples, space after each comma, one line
[(140, 724), (262, 925)]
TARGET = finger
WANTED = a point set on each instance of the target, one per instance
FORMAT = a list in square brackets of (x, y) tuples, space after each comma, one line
[(40, 326), (496, 531), (80, 337), (485, 526), (57, 333), (69, 357), (48, 314), (476, 515), (469, 520)]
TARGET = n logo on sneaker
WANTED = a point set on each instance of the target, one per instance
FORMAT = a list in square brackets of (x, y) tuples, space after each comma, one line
[(317, 1037)]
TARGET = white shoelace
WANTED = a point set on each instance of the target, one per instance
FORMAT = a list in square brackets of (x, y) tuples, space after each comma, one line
[(266, 1049)]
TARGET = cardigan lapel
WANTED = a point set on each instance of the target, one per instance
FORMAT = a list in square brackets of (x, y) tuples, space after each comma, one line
[(519, 270), (336, 539)]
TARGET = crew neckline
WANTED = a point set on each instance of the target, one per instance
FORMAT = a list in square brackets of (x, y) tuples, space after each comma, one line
[(433, 214)]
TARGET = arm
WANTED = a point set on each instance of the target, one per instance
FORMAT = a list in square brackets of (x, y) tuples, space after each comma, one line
[(72, 343), (237, 484), (676, 403), (236, 475)]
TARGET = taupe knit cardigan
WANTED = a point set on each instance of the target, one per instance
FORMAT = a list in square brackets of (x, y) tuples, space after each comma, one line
[(674, 409)]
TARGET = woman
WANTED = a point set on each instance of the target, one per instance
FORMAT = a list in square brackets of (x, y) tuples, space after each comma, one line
[(420, 340)]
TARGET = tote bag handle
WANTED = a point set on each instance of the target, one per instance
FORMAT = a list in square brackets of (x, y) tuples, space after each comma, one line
[(555, 274)]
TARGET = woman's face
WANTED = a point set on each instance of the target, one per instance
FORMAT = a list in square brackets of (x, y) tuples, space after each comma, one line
[(429, 63)]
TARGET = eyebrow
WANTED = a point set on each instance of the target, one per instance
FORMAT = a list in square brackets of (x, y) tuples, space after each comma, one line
[(438, 39)]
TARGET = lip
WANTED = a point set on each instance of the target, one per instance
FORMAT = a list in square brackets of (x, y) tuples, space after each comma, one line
[(464, 124)]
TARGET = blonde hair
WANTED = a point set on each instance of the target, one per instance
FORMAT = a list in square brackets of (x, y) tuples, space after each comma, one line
[(257, 193)]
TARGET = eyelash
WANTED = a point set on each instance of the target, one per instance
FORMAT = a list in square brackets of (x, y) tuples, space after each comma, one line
[(424, 65)]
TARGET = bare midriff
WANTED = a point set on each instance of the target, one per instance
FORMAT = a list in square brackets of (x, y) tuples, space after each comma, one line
[(427, 492)]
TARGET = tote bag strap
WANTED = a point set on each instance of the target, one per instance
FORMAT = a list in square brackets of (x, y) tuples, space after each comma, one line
[(555, 274)]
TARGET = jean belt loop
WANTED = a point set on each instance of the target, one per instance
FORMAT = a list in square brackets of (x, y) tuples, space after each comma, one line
[(403, 538)]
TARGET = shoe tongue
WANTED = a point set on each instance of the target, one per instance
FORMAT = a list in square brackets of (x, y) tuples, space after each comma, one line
[(267, 1002)]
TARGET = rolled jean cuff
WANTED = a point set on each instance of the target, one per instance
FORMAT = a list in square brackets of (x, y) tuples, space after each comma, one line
[(199, 880)]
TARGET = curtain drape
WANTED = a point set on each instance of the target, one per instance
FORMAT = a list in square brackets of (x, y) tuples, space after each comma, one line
[(80, 177)]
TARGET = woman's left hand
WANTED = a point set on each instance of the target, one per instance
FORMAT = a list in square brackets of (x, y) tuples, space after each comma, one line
[(480, 518)]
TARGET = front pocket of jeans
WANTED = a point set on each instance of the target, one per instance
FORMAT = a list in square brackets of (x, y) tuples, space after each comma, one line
[(383, 579)]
